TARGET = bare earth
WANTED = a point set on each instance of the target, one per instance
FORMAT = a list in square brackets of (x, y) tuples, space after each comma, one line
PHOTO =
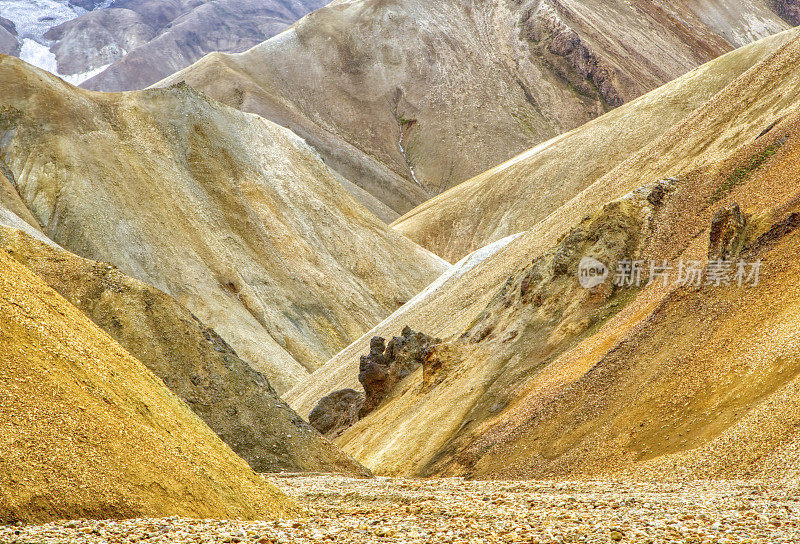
[(453, 510)]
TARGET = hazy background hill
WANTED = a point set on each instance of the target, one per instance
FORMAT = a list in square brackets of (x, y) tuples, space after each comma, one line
[(129, 44)]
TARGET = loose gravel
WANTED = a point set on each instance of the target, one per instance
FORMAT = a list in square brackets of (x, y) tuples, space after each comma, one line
[(453, 510)]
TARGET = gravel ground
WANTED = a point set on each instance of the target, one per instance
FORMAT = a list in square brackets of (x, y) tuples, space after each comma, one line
[(457, 511)]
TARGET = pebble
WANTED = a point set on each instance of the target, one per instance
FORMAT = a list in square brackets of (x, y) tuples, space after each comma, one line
[(454, 510)]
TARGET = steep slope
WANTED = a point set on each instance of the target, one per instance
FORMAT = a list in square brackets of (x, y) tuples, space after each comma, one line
[(9, 41), (235, 401), (542, 378), (516, 195), (407, 99), (88, 431), (233, 216)]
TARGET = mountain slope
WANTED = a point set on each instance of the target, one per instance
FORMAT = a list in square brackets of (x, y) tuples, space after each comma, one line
[(407, 99), (233, 216), (235, 401), (540, 377), (9, 41), (88, 431), (516, 195)]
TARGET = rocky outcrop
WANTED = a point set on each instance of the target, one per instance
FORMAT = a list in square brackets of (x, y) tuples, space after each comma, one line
[(379, 373), (336, 412), (727, 234), (381, 370)]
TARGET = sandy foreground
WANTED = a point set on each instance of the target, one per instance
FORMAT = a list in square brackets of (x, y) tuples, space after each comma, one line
[(457, 511)]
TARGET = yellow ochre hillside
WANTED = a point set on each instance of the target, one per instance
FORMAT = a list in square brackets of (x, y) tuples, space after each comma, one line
[(88, 431)]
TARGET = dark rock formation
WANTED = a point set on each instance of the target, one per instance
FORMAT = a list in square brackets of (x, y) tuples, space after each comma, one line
[(385, 366), (661, 190), (379, 373), (727, 234), (336, 412)]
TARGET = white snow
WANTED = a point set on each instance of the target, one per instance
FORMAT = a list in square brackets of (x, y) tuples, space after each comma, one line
[(459, 269), (456, 271), (38, 55), (33, 18), (77, 79)]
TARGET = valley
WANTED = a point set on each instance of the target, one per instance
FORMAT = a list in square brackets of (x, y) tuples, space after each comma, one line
[(399, 271)]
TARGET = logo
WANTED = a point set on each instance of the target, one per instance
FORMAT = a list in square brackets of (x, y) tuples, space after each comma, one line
[(591, 273)]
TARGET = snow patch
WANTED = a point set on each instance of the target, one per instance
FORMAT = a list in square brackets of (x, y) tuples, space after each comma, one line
[(38, 55), (35, 17), (77, 79), (456, 271)]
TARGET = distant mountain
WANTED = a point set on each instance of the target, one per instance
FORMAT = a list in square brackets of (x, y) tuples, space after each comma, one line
[(130, 44), (9, 40), (409, 98)]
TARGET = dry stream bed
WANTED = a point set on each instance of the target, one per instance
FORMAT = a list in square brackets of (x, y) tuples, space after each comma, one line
[(457, 511)]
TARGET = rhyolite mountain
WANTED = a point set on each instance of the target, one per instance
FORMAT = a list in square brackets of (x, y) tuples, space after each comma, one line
[(89, 431), (539, 377), (236, 218), (408, 98), (233, 399), (516, 195)]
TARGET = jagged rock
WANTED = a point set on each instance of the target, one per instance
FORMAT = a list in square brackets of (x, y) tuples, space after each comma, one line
[(727, 233), (336, 412), (661, 190), (386, 365), (379, 373)]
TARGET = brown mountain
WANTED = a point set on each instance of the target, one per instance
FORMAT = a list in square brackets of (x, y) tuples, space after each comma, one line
[(516, 195), (407, 99), (540, 377), (234, 217)]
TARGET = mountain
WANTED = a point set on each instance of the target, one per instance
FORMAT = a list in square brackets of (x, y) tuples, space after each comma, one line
[(9, 41), (234, 400), (539, 377), (516, 195), (234, 217), (88, 431), (407, 99), (118, 45)]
